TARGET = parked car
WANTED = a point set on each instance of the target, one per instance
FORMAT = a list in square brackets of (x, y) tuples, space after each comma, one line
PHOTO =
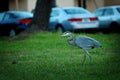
[(109, 18), (13, 22), (72, 19)]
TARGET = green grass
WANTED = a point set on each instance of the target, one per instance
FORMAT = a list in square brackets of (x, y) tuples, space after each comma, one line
[(47, 56)]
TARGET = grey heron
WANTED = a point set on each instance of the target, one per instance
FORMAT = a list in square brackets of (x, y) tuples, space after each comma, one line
[(84, 42)]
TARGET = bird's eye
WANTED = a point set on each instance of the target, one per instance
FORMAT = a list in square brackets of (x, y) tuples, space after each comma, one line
[(65, 33)]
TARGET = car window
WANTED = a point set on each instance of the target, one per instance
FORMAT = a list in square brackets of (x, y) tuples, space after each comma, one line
[(99, 12), (75, 11), (6, 16), (9, 16), (54, 13), (118, 9), (108, 12), (22, 14), (1, 16)]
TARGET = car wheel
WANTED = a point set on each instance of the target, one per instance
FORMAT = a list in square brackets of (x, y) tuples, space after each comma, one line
[(114, 27), (59, 28), (12, 32)]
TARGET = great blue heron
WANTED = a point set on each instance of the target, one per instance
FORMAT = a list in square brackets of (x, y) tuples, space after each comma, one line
[(84, 42)]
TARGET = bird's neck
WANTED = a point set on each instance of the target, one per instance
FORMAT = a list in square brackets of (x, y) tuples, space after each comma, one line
[(71, 40)]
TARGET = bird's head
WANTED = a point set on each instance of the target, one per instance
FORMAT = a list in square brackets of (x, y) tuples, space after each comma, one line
[(66, 34)]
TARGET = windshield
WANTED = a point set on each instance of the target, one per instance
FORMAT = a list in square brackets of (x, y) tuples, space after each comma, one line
[(22, 14), (118, 9), (54, 13), (75, 11)]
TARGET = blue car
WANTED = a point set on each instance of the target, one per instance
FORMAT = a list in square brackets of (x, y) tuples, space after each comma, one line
[(13, 22), (72, 19)]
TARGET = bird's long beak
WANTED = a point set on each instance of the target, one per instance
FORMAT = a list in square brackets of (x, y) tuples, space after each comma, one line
[(63, 35)]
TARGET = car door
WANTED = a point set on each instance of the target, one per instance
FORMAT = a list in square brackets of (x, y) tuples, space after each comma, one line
[(9, 20), (53, 19), (1, 18), (7, 23), (104, 16), (117, 14), (107, 17)]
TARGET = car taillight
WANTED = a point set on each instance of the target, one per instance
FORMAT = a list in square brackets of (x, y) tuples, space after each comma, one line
[(25, 21), (75, 19), (94, 19)]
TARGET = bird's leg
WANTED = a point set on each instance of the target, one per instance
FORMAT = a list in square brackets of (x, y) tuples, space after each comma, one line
[(89, 56), (84, 58)]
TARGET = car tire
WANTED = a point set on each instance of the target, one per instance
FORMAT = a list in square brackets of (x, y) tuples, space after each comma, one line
[(59, 28), (114, 27), (12, 32)]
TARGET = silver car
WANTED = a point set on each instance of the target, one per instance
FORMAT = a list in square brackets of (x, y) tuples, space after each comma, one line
[(72, 19), (109, 18)]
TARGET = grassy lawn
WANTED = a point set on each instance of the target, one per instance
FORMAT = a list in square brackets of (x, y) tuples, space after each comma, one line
[(47, 56)]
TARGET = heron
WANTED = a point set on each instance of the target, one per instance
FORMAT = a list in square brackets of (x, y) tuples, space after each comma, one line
[(84, 42)]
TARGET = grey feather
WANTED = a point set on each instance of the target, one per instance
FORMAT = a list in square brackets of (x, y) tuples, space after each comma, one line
[(86, 42)]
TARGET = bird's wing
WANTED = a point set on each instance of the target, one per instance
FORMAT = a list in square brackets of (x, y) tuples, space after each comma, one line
[(86, 42)]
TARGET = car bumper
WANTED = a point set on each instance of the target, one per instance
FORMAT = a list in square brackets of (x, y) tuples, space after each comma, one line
[(91, 25)]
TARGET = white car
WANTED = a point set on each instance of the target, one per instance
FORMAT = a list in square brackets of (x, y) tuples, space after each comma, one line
[(72, 19), (109, 18)]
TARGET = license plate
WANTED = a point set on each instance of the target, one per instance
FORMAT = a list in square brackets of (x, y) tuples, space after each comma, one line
[(86, 20)]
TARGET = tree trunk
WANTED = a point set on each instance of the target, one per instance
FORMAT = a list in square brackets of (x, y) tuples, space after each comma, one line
[(41, 15)]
